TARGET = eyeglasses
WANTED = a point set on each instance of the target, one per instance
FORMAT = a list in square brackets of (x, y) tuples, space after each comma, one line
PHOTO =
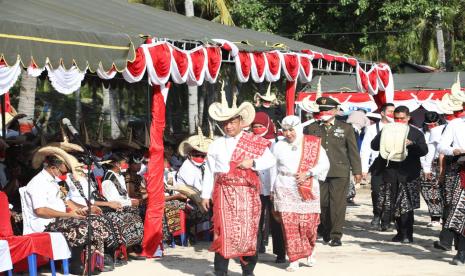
[(198, 155)]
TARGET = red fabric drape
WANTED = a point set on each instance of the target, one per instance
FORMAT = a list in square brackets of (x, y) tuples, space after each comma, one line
[(290, 97), (259, 59), (244, 57), (137, 67), (180, 57), (5, 225), (155, 188), (214, 61), (198, 61), (291, 66)]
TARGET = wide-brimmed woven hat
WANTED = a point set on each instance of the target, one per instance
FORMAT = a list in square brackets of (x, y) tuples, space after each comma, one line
[(309, 105), (190, 191), (11, 117), (71, 162), (449, 104), (66, 145), (125, 142), (222, 112), (196, 142), (456, 90), (268, 97)]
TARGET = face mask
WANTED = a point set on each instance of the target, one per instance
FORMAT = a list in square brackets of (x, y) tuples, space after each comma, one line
[(266, 104), (400, 121), (259, 130), (326, 115), (123, 168), (450, 117), (459, 114), (316, 116), (390, 118), (199, 159), (431, 125)]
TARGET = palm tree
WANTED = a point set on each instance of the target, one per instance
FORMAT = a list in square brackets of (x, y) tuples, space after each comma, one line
[(27, 94)]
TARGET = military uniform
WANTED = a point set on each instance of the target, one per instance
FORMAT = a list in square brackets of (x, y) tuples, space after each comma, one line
[(338, 139)]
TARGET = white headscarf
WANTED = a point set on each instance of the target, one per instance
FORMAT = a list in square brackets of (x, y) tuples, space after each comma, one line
[(293, 122)]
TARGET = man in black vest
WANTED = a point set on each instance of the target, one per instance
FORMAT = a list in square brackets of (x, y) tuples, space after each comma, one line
[(400, 187)]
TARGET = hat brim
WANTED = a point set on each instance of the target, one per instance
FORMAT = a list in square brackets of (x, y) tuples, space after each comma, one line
[(245, 110), (193, 143), (66, 146), (309, 106), (71, 162), (271, 98)]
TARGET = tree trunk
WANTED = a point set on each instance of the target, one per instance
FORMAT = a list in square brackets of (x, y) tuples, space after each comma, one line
[(27, 95), (193, 107), (440, 42), (77, 99), (114, 114)]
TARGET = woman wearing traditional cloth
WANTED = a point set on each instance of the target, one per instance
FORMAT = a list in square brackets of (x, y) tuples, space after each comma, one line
[(301, 162)]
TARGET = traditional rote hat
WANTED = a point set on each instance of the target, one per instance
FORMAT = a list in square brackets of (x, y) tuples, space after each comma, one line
[(126, 142), (327, 103), (71, 162), (11, 117), (196, 142), (456, 91), (66, 145), (268, 97), (448, 104), (311, 106), (222, 112)]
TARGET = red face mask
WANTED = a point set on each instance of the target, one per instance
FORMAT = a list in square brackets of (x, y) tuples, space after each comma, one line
[(198, 159), (450, 117), (325, 113), (99, 154), (400, 121), (316, 116), (459, 114), (124, 166), (390, 116), (259, 130), (63, 177), (431, 125)]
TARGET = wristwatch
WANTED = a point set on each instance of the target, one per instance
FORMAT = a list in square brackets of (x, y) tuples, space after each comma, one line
[(253, 164)]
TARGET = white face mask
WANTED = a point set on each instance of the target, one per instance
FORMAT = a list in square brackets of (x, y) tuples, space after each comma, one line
[(123, 170), (326, 118), (389, 119)]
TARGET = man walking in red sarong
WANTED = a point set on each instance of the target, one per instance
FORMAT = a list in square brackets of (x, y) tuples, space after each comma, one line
[(232, 182)]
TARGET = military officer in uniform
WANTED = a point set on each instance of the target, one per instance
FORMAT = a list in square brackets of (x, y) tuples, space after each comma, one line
[(338, 139)]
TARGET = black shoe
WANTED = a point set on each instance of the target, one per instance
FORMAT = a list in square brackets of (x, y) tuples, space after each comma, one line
[(407, 240), (385, 227), (326, 240), (280, 260), (248, 274), (397, 238), (108, 263), (375, 221), (335, 242), (134, 256), (351, 203), (439, 245), (459, 259), (120, 262), (262, 249)]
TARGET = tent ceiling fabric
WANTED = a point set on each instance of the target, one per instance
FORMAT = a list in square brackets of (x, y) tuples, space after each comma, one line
[(108, 31)]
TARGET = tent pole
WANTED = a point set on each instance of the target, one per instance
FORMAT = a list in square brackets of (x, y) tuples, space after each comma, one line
[(2, 99)]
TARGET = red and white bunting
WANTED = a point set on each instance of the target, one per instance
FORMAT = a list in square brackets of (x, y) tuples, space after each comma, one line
[(214, 64), (158, 59), (181, 64), (106, 75), (135, 70), (291, 66), (65, 81), (228, 46), (243, 62), (33, 71), (378, 81), (198, 66), (8, 75), (273, 72), (259, 66), (306, 68)]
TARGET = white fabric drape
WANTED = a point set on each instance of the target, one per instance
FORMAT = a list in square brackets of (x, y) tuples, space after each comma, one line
[(8, 76), (5, 257), (65, 81)]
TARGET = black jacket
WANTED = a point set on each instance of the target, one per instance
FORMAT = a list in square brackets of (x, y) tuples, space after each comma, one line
[(409, 168)]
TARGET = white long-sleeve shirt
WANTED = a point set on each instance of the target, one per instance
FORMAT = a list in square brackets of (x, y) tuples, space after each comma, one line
[(111, 193), (453, 137), (432, 138), (218, 158), (368, 155), (190, 174)]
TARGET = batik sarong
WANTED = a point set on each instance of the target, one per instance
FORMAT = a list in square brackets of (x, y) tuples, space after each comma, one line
[(432, 194), (300, 233), (456, 218)]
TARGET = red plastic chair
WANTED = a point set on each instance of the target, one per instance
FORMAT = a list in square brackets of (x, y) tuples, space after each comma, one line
[(181, 232), (29, 245), (99, 184)]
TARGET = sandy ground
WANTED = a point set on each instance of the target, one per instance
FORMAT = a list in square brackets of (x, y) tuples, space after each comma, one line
[(365, 251)]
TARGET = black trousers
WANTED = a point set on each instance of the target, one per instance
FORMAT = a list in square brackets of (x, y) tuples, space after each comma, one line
[(459, 242), (221, 264), (278, 239), (264, 225), (376, 181), (404, 225)]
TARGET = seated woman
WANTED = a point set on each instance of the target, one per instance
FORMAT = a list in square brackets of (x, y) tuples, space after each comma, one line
[(301, 162), (47, 210), (114, 190), (136, 184)]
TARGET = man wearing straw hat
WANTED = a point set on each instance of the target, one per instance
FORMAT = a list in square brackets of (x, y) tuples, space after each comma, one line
[(232, 182), (453, 145), (269, 104)]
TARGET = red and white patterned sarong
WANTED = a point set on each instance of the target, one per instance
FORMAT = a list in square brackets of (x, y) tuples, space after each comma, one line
[(236, 202), (300, 233)]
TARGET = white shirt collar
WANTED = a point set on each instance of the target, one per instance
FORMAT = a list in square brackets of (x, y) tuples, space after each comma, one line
[(237, 137)]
